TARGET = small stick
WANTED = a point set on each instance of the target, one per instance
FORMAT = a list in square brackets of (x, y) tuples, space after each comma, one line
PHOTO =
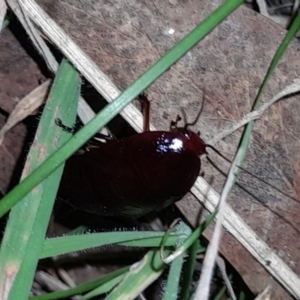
[(290, 89)]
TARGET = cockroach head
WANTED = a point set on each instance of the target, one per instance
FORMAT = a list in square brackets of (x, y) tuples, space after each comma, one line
[(191, 139)]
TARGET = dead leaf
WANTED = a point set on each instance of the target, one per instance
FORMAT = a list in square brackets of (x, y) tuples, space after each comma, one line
[(25, 107)]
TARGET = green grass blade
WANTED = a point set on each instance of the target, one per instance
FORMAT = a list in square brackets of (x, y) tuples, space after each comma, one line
[(112, 109), (28, 220), (189, 271), (65, 244), (172, 287), (177, 257)]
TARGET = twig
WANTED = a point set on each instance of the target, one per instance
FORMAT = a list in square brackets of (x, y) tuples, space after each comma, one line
[(25, 107), (202, 292), (52, 284), (290, 89)]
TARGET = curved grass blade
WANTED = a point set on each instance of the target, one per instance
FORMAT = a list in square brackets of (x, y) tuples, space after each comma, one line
[(66, 244), (189, 270), (172, 287)]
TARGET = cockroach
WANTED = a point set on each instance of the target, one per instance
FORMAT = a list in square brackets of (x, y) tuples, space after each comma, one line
[(135, 175)]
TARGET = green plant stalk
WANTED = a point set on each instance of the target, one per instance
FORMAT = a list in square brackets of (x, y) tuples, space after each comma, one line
[(28, 220), (189, 270), (83, 288), (112, 109), (65, 244), (172, 286)]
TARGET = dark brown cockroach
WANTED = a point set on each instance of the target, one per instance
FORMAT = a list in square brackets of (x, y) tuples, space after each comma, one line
[(135, 175)]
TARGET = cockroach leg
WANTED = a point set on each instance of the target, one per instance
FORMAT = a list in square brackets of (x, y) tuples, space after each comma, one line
[(74, 129), (59, 123), (105, 137), (146, 111)]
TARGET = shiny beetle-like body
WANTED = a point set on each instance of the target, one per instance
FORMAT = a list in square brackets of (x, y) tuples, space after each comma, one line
[(135, 175)]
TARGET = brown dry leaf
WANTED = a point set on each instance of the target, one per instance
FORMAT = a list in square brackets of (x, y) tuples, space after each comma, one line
[(125, 38), (25, 107)]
